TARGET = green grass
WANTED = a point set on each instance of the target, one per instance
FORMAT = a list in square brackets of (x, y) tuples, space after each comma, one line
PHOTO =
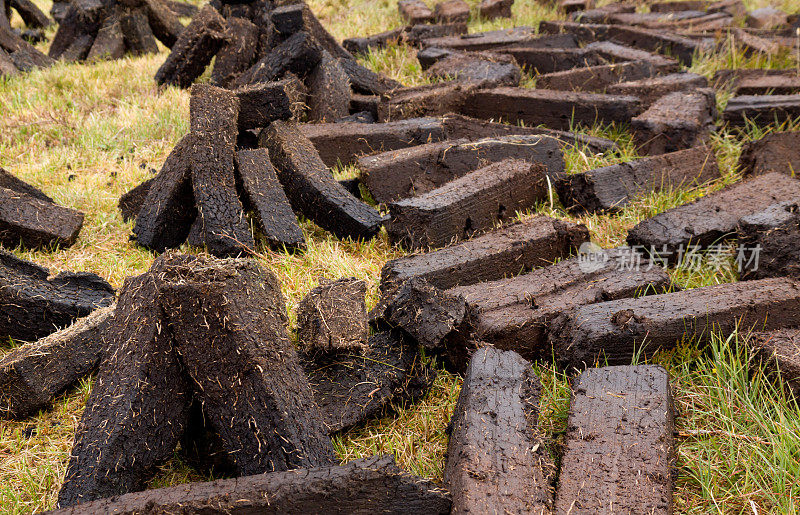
[(87, 133)]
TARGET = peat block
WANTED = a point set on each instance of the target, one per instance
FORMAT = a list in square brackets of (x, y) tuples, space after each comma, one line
[(415, 11), (451, 11), (34, 304), (775, 152), (596, 78), (299, 54), (780, 350), (35, 223), (768, 85), (351, 387), (483, 67), (11, 182), (619, 452), (611, 188), (367, 485), (650, 90), (513, 313), (494, 39), (262, 103), (496, 461), (333, 316), (491, 9), (761, 109), (507, 251), (236, 55), (712, 218), (228, 318), (775, 232), (469, 205), (328, 91), (618, 329), (674, 122), (399, 174)]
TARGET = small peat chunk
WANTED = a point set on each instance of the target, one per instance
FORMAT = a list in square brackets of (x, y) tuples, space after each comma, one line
[(650, 90), (770, 242), (775, 152), (615, 331), (761, 109), (333, 316), (34, 304), (168, 210), (311, 188), (139, 404), (513, 313), (399, 174), (507, 251), (491, 9), (237, 54), (553, 109), (483, 68), (345, 142), (674, 122), (619, 450), (612, 187), (367, 485), (496, 461), (228, 318), (551, 60), (780, 351), (31, 376), (712, 218), (424, 312), (415, 11), (194, 49), (352, 387), (264, 197), (468, 205), (36, 223), (328, 91)]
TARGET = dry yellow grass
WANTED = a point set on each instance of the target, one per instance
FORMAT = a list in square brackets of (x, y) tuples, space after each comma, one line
[(86, 133)]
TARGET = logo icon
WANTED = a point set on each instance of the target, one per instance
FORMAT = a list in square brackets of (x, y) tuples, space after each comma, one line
[(591, 257)]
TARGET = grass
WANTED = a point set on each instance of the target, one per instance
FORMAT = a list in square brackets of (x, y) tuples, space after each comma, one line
[(86, 133)]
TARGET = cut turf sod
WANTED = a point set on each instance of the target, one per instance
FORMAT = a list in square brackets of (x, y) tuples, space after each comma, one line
[(619, 451), (650, 90), (451, 11), (139, 404), (311, 188), (11, 182), (492, 40), (32, 375), (34, 304), (228, 318), (411, 34), (415, 11), (514, 313), (36, 223), (538, 241), (399, 174), (328, 91), (265, 199), (614, 331), (365, 81), (769, 85), (775, 152), (485, 68), (780, 352), (469, 205), (236, 55), (612, 187), (427, 100), (491, 9), (554, 109), (333, 316), (761, 109), (292, 18), (596, 78), (496, 462), (352, 387), (676, 121), (194, 49), (775, 232), (367, 485), (265, 102), (712, 218)]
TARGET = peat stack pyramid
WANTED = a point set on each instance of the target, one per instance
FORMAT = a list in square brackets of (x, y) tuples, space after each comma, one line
[(17, 54)]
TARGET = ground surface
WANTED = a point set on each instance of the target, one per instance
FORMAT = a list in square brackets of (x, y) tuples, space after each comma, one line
[(86, 133)]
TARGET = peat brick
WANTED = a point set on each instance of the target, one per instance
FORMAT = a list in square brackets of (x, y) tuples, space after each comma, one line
[(110, 41), (451, 11), (228, 318), (650, 90), (619, 450), (163, 22), (496, 461), (312, 189), (484, 68), (36, 223), (194, 49), (761, 109), (469, 205), (299, 54), (538, 241), (551, 60), (34, 304), (674, 122), (328, 91), (491, 9), (775, 152), (553, 109), (494, 39), (775, 233), (712, 218), (295, 17), (766, 18), (514, 313), (11, 182), (780, 351), (616, 330), (139, 38), (32, 375), (333, 316), (610, 188), (237, 53), (368, 485), (415, 11), (428, 100), (262, 103), (399, 174), (352, 387), (596, 78), (768, 85), (365, 81)]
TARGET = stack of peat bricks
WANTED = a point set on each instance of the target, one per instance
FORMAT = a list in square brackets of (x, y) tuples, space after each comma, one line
[(194, 356), (17, 54)]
